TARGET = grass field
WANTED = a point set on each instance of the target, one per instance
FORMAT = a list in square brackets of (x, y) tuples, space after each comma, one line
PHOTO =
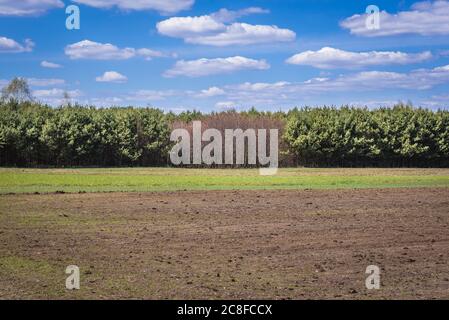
[(166, 179)]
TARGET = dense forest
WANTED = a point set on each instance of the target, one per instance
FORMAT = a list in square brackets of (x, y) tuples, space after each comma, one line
[(33, 134)]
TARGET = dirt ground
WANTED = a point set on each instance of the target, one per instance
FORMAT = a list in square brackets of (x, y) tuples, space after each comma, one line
[(226, 244)]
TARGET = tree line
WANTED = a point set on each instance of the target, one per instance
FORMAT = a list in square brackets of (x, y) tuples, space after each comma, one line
[(401, 136), (33, 134)]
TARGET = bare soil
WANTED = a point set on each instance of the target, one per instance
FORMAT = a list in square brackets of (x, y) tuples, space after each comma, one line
[(226, 244)]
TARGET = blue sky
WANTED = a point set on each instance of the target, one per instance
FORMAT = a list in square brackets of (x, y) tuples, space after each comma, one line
[(215, 55)]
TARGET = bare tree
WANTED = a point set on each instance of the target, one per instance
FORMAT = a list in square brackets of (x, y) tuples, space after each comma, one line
[(17, 90), (66, 99)]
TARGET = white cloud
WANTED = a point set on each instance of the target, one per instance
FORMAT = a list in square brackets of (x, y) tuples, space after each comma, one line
[(163, 6), (213, 30), (36, 82), (51, 65), (226, 105), (27, 7), (56, 93), (282, 93), (425, 18), (436, 101), (149, 54), (420, 79), (441, 97), (211, 92), (442, 69), (226, 16), (149, 95), (140, 98), (331, 58), (245, 34), (112, 76), (289, 93), (11, 46), (205, 67), (55, 97), (87, 49), (184, 27), (314, 80), (261, 86)]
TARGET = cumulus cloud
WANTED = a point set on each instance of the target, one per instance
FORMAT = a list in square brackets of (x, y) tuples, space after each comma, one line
[(330, 58), (163, 6), (214, 29), (211, 92), (50, 65), (245, 34), (27, 7), (11, 46), (205, 67), (149, 54), (442, 69), (190, 27), (87, 49), (112, 76), (425, 18)]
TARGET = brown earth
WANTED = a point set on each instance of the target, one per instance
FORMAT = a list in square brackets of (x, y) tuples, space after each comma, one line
[(226, 244)]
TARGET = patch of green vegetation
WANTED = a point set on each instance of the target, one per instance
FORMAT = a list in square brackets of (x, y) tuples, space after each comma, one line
[(37, 274), (38, 277), (163, 179), (25, 266)]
